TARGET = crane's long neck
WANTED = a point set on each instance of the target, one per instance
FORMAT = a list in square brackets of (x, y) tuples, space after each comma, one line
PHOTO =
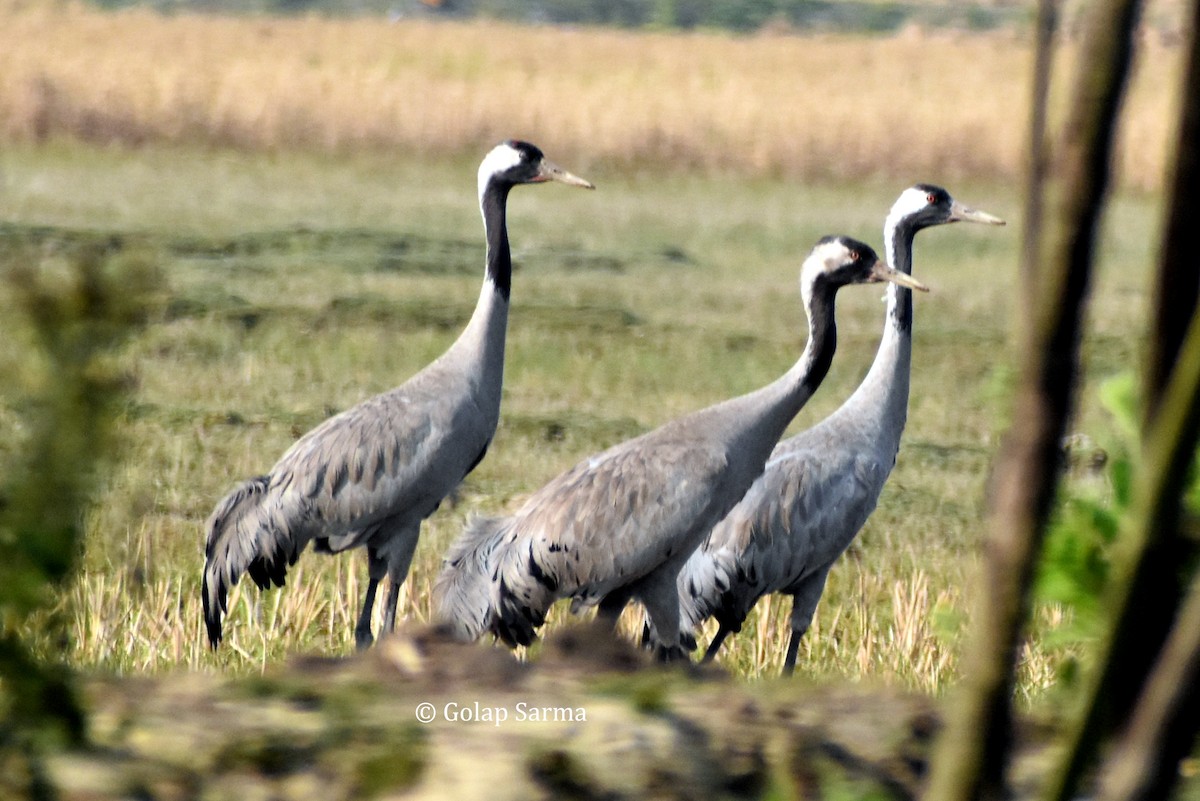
[(481, 345), (811, 368), (898, 241), (782, 399), (886, 386), (493, 203)]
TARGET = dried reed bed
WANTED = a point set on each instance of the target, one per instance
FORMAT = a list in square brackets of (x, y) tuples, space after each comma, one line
[(809, 106)]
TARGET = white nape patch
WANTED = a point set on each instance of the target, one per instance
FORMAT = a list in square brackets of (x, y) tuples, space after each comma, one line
[(825, 258), (830, 256), (911, 201), (502, 157)]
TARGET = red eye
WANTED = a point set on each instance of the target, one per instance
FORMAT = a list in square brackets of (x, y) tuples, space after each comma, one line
[(854, 255), (931, 198)]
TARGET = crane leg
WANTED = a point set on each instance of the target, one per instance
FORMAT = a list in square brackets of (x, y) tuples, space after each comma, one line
[(389, 609), (376, 570), (715, 645), (612, 605), (662, 606), (399, 559), (804, 605), (362, 632), (789, 661)]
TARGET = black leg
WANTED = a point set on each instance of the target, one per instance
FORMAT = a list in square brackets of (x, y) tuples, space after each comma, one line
[(612, 605), (715, 645), (645, 641), (789, 661), (362, 632), (389, 610)]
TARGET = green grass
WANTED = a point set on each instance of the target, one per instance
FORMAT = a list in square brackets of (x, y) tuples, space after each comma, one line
[(299, 285)]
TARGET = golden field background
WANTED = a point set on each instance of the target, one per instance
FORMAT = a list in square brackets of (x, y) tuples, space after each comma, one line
[(910, 105)]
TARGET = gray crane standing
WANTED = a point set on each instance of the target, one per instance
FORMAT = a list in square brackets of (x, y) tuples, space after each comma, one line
[(620, 524), (820, 486), (369, 476)]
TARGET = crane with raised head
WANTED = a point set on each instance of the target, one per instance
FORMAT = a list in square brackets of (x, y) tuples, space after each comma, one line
[(620, 524), (819, 486), (368, 477)]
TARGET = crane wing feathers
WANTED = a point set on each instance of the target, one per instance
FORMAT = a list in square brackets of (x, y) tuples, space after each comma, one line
[(605, 523), (621, 514), (797, 518), (393, 455)]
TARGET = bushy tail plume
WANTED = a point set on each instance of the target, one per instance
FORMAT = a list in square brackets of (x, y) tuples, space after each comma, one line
[(463, 591), (524, 591), (702, 582), (226, 554)]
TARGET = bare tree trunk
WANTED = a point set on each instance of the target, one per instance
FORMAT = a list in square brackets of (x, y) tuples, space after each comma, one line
[(973, 751), (1138, 663), (1039, 152), (1179, 280), (1145, 765), (1158, 598)]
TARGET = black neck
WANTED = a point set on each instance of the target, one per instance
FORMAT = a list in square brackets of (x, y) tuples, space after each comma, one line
[(902, 242), (499, 260), (822, 334)]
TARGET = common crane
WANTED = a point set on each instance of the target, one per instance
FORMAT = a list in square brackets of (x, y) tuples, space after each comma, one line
[(620, 524), (819, 486), (369, 476)]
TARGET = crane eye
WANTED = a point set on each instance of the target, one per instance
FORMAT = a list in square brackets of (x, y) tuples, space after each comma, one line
[(931, 198)]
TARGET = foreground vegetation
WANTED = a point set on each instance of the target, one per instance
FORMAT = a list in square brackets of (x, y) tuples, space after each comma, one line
[(423, 719), (299, 285)]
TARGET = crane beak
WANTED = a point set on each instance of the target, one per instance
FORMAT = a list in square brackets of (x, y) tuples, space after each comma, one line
[(961, 213), (549, 171), (882, 272)]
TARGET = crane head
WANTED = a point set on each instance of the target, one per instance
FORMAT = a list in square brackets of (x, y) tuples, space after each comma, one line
[(837, 261), (924, 205), (515, 162)]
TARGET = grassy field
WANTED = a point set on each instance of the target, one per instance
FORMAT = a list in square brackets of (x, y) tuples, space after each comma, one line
[(817, 107), (300, 284), (307, 187)]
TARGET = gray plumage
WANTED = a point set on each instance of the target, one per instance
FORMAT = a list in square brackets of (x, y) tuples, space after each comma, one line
[(820, 486), (367, 477), (620, 524)]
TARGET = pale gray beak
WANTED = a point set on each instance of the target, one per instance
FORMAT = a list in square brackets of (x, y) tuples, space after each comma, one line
[(882, 272), (549, 171), (961, 213)]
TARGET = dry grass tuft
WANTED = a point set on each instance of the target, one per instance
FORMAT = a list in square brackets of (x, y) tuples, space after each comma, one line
[(811, 106)]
